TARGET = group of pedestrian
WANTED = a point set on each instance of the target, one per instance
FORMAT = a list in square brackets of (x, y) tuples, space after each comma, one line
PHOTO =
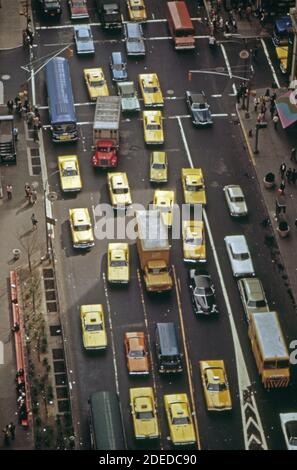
[(30, 194), (8, 433), (260, 106), (21, 394), (290, 174)]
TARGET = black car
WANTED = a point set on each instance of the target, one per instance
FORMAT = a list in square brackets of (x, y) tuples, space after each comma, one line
[(201, 115), (202, 292)]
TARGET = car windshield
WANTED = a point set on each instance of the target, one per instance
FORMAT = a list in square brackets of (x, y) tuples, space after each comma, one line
[(151, 89), (136, 353), (216, 387), (137, 7), (164, 208), (241, 256), (64, 127), (97, 83), (293, 441), (119, 263), (281, 364), (104, 149), (120, 190), (144, 415), (82, 228), (257, 303), (181, 420), (94, 327), (237, 199), (194, 187), (84, 36), (158, 270), (203, 291), (70, 172), (193, 240), (159, 166), (153, 127), (134, 40), (118, 67), (78, 4)]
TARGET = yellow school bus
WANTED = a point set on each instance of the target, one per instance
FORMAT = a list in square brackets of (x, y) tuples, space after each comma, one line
[(269, 348)]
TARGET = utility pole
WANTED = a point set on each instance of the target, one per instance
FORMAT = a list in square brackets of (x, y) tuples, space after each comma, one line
[(293, 15)]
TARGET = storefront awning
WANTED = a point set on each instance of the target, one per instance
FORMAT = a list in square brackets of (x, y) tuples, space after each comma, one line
[(286, 106)]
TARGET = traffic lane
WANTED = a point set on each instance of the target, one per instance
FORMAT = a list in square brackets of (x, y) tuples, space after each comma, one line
[(235, 167), (283, 78), (16, 76), (262, 76)]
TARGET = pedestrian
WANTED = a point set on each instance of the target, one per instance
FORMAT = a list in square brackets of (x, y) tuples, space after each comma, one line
[(275, 121), (10, 106), (248, 12), (267, 94), (282, 170), (15, 133), (295, 223), (293, 155), (11, 428), (6, 436), (263, 108), (273, 97), (294, 176), (26, 104), (272, 110), (261, 118), (282, 187), (35, 133), (27, 190), (9, 191), (238, 96), (256, 104), (289, 175), (15, 328), (36, 112), (30, 117), (34, 222), (19, 109), (33, 196)]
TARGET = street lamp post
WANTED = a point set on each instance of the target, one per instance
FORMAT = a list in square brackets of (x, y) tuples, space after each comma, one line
[(293, 15)]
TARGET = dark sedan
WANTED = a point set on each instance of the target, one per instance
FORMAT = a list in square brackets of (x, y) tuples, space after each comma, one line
[(200, 112), (202, 292), (118, 67)]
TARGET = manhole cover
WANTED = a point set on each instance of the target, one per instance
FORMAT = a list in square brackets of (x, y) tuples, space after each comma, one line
[(52, 196), (244, 54), (5, 77)]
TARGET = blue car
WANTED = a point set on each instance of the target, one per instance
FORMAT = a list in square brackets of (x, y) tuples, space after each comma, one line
[(118, 67), (84, 39)]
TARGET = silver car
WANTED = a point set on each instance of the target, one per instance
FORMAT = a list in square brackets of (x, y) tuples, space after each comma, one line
[(129, 100), (134, 39), (289, 428), (84, 39), (235, 200), (239, 256), (252, 295)]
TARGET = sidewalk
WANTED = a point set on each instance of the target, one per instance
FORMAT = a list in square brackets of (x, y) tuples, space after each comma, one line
[(274, 148), (11, 24)]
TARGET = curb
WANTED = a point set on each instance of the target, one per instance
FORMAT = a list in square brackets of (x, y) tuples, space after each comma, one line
[(246, 138)]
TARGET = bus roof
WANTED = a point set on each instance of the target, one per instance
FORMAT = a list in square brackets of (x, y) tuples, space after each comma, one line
[(59, 90), (107, 425), (180, 15), (269, 335)]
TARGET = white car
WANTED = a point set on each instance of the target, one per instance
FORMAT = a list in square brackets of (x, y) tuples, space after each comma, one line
[(239, 256), (289, 427), (235, 200)]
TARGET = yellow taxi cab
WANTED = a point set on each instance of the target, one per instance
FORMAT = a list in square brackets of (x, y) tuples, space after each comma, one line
[(150, 90), (215, 385), (96, 83), (118, 263), (119, 190), (144, 415), (153, 127), (164, 201), (193, 186), (194, 241), (179, 419), (282, 55), (93, 327), (81, 228), (136, 10), (158, 167), (69, 173)]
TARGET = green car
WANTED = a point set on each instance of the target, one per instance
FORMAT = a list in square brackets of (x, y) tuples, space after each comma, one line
[(158, 167), (252, 295)]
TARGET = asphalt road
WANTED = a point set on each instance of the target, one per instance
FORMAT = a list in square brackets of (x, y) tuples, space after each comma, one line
[(220, 152)]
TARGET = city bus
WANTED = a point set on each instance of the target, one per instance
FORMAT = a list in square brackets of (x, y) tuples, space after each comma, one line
[(105, 420), (60, 101), (269, 348), (180, 25)]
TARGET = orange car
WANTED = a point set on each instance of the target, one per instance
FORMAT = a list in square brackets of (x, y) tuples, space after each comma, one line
[(136, 353)]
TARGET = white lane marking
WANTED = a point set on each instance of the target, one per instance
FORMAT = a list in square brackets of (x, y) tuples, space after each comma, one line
[(270, 63), (216, 96), (234, 90), (187, 359), (185, 142), (115, 41), (111, 335), (65, 26), (226, 59), (94, 216), (1, 92), (244, 383)]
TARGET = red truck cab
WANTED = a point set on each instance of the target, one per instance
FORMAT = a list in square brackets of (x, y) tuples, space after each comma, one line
[(105, 155)]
